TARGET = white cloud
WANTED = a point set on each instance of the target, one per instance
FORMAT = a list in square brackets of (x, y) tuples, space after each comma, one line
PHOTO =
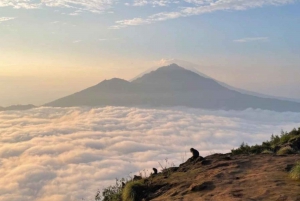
[(77, 41), (68, 153), (96, 6), (246, 40), (107, 39), (172, 8), (27, 4), (198, 7), (153, 2), (4, 19)]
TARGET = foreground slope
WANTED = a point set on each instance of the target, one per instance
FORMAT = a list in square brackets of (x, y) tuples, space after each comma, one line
[(171, 86), (262, 177)]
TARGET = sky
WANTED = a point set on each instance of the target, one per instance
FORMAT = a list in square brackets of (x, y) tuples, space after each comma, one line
[(66, 154), (52, 48)]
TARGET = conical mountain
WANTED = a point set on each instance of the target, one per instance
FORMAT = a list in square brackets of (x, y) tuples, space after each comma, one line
[(171, 86)]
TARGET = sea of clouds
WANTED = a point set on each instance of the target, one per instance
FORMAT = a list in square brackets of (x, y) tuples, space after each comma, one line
[(66, 154)]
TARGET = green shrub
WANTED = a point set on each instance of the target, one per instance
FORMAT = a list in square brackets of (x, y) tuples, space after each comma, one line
[(243, 149), (295, 132), (275, 141), (295, 172), (111, 193), (266, 151), (285, 137), (285, 150), (132, 191)]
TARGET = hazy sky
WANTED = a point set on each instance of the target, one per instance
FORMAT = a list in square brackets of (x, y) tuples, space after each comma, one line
[(51, 48)]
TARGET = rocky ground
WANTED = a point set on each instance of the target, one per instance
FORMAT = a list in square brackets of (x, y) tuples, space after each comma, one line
[(225, 177)]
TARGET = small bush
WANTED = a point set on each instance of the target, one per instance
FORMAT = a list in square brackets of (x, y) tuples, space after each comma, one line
[(165, 169), (267, 152), (132, 191), (275, 139), (243, 149), (295, 172), (285, 151), (285, 137), (111, 193), (272, 145)]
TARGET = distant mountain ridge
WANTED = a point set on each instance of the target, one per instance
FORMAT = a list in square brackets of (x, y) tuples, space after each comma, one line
[(171, 86), (193, 67), (17, 107)]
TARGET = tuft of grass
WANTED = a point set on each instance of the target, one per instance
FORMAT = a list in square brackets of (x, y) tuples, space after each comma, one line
[(112, 192), (166, 168), (285, 151), (266, 151), (295, 172), (132, 191)]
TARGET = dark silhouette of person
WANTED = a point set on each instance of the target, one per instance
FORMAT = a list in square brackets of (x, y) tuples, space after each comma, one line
[(155, 171)]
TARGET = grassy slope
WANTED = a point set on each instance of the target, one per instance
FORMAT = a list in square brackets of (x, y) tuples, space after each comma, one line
[(244, 174), (243, 177)]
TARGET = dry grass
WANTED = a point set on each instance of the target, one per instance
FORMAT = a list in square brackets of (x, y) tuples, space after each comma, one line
[(267, 152), (132, 191), (285, 151), (295, 172)]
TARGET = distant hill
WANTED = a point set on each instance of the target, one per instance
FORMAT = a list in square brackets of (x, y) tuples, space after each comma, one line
[(17, 107), (171, 86)]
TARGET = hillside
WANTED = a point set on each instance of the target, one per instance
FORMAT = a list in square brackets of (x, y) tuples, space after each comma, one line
[(219, 177), (171, 86), (266, 172)]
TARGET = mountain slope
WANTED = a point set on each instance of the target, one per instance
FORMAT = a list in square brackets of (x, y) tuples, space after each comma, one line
[(221, 177), (193, 67), (167, 87)]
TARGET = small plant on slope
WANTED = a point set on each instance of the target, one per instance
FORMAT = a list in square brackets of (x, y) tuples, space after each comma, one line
[(295, 172), (285, 151), (266, 151), (111, 193), (132, 191), (166, 168)]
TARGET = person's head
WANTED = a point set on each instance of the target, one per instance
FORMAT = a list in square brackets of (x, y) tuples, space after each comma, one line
[(192, 149)]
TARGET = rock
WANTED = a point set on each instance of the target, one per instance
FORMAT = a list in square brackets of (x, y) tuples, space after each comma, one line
[(206, 162), (276, 148), (282, 198), (227, 158), (173, 169), (136, 178), (289, 167), (295, 143), (219, 165), (208, 185)]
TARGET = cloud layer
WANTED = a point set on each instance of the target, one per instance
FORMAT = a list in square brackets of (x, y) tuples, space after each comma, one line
[(172, 8), (187, 8), (96, 6), (68, 153), (3, 19), (247, 40)]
